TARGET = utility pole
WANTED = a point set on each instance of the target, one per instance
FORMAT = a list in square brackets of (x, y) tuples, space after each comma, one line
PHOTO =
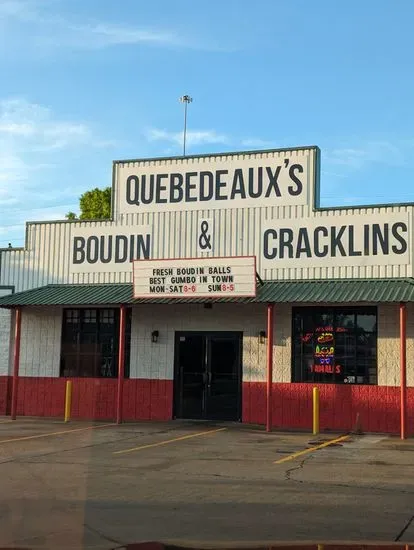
[(186, 99)]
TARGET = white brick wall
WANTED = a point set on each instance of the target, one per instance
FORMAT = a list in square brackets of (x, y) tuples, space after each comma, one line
[(150, 360), (40, 342), (389, 345), (5, 327), (41, 335), (5, 336), (157, 360)]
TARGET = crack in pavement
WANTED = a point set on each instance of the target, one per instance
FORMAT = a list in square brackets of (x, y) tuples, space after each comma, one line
[(404, 529), (288, 477), (289, 472), (103, 536)]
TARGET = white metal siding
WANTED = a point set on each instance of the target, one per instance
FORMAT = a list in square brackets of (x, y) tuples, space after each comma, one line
[(237, 233)]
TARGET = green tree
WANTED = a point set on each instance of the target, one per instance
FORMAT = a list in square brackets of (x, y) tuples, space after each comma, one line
[(94, 205)]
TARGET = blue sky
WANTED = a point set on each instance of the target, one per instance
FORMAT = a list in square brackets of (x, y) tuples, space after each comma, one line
[(84, 82)]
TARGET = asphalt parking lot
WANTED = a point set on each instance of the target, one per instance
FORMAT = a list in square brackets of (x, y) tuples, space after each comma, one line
[(82, 485)]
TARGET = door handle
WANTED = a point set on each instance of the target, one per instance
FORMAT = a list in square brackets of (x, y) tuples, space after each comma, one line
[(209, 377)]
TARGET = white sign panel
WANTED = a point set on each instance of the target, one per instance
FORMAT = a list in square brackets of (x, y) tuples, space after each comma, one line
[(352, 240), (108, 249), (195, 278), (206, 183)]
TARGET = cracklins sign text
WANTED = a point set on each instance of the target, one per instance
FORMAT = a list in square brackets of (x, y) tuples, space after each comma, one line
[(354, 240)]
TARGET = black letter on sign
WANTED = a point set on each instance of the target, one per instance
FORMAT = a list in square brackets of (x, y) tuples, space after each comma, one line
[(258, 193), (79, 250), (132, 190), (121, 258), (273, 181), (286, 239), (220, 184), (269, 253), (295, 179), (190, 186), (403, 248), (150, 198), (318, 252), (366, 239), (378, 236), (176, 187), (210, 190), (336, 241), (238, 184), (303, 243), (132, 248), (160, 188), (351, 243), (143, 247), (108, 258), (92, 253)]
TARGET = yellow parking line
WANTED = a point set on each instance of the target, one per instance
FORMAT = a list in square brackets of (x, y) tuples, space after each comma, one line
[(49, 434), (312, 449), (166, 442), (5, 421)]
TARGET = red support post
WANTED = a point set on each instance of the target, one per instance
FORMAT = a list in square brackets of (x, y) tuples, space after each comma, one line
[(269, 382), (403, 368), (16, 360), (121, 361)]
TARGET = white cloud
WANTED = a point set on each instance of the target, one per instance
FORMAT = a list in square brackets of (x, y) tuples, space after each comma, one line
[(357, 157), (33, 142), (258, 143), (193, 137), (33, 127), (43, 28), (103, 35)]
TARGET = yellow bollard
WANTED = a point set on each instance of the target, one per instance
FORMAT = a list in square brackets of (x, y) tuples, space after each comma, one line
[(315, 411), (68, 400)]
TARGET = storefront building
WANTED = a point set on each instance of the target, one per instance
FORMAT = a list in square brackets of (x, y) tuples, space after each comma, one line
[(221, 290)]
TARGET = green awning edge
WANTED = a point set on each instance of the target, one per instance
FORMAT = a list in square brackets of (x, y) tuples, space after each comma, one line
[(308, 291)]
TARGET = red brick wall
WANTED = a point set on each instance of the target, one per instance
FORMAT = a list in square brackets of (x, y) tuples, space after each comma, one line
[(378, 406), (92, 398), (95, 399)]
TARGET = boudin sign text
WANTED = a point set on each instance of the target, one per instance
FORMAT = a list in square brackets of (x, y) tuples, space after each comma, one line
[(108, 249), (195, 278)]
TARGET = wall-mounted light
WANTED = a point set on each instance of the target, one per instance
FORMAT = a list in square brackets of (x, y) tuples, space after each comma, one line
[(262, 336), (154, 336)]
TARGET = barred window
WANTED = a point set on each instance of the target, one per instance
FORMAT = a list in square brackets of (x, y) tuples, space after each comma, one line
[(90, 343)]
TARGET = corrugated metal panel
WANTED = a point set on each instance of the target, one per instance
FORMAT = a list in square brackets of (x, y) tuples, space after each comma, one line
[(238, 232), (333, 291)]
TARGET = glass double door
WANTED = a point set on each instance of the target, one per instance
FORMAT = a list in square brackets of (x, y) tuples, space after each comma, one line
[(208, 375)]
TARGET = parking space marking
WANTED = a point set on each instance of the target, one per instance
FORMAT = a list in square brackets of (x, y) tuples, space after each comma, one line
[(5, 421), (49, 434), (312, 449), (166, 442)]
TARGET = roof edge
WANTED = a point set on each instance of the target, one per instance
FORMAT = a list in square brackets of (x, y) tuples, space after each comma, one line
[(221, 154)]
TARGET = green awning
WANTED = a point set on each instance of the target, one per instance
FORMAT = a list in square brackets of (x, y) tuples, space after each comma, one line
[(313, 291)]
